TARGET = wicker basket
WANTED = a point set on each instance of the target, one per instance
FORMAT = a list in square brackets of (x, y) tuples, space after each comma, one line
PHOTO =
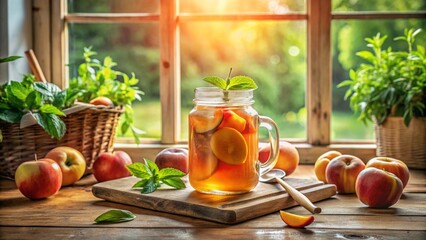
[(408, 144), (91, 131)]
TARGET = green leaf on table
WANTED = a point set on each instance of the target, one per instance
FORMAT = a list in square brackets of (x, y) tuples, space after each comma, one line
[(150, 186), (151, 177), (170, 173), (153, 168), (174, 182), (115, 216), (139, 170), (141, 183)]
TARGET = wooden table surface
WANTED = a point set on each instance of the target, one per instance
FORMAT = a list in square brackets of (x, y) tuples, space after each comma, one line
[(70, 215)]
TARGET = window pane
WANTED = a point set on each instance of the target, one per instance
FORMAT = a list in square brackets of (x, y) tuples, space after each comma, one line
[(272, 53), (135, 48), (382, 5), (348, 38), (113, 6), (238, 6)]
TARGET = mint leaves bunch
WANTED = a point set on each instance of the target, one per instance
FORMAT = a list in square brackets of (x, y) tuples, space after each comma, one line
[(152, 177), (234, 83), (44, 100), (99, 78)]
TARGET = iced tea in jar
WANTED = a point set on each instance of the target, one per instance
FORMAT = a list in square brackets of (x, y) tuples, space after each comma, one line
[(223, 141)]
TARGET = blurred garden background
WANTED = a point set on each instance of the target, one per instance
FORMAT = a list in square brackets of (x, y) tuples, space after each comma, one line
[(271, 52)]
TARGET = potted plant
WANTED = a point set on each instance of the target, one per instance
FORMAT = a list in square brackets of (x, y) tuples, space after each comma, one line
[(390, 90)]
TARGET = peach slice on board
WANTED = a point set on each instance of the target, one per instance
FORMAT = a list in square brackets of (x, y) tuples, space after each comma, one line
[(204, 120), (233, 120), (229, 146), (296, 221)]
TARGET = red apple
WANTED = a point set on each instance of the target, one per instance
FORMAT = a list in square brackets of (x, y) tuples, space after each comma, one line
[(377, 188), (38, 179), (110, 166), (343, 171), (288, 157), (102, 101), (395, 166), (173, 158), (71, 161)]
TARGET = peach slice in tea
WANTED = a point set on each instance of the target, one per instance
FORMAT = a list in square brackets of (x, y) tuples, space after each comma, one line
[(204, 120), (203, 161), (232, 120), (229, 146)]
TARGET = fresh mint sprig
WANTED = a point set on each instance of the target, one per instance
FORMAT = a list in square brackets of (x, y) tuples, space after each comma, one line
[(44, 100), (234, 83), (152, 177)]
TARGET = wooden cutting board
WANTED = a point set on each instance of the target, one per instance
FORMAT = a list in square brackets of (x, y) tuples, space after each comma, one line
[(264, 199)]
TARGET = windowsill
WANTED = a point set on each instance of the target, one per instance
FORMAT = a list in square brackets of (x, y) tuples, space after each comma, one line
[(308, 153)]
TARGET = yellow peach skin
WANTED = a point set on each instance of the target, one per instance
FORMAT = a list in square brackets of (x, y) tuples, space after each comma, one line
[(322, 162)]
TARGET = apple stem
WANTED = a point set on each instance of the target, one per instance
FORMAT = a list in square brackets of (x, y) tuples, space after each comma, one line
[(35, 156)]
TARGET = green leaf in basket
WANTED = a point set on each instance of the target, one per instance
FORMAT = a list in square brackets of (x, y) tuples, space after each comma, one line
[(59, 99), (33, 100), (10, 116), (115, 216), (51, 123), (17, 90), (48, 108)]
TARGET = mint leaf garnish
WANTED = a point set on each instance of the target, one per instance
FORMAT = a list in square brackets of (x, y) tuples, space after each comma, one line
[(235, 83), (170, 173), (241, 83), (216, 81), (116, 216), (152, 177), (174, 182), (139, 170)]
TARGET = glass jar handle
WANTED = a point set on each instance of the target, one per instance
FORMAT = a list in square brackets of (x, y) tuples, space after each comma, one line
[(274, 141)]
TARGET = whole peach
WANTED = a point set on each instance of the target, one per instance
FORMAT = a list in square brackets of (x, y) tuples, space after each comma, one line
[(102, 101), (395, 166), (173, 158), (343, 171), (322, 162), (378, 188), (288, 158)]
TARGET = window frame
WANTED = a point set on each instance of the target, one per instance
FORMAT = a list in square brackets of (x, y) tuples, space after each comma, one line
[(50, 19)]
